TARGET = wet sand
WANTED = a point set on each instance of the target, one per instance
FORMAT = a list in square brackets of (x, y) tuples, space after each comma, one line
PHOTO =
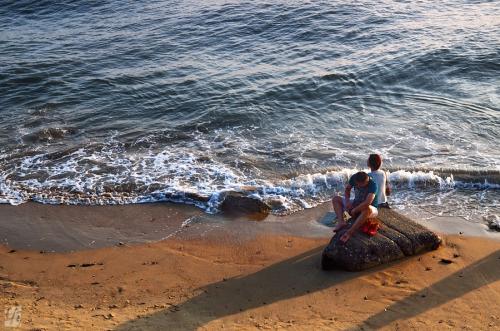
[(54, 228), (72, 267)]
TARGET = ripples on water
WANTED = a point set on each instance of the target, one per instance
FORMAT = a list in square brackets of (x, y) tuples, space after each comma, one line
[(126, 103)]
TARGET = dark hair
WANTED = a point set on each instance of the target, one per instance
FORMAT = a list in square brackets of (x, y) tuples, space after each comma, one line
[(374, 161), (360, 177)]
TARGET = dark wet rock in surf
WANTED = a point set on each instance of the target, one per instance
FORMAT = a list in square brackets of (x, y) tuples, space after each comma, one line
[(239, 203), (49, 134), (197, 197), (494, 225), (493, 222), (397, 238)]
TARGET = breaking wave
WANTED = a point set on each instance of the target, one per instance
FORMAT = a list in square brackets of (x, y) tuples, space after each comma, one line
[(107, 174)]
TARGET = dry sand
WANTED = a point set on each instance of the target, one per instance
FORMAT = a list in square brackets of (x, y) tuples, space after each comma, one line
[(226, 279)]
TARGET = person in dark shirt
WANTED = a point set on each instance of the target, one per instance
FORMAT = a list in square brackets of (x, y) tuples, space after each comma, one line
[(362, 208)]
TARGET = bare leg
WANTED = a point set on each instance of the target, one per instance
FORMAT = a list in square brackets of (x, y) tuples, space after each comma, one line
[(365, 214), (338, 206)]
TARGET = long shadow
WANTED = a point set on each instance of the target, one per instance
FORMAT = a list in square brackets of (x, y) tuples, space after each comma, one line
[(478, 274), (294, 277)]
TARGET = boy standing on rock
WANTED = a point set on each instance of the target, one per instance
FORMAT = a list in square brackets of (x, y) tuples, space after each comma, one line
[(363, 208)]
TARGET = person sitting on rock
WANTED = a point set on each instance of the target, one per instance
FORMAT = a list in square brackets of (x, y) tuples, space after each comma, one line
[(363, 208), (380, 178)]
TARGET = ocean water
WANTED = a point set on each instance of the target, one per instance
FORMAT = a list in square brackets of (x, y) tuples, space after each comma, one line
[(110, 102)]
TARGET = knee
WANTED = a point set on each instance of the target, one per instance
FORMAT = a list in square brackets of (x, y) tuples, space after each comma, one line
[(373, 212), (365, 211), (337, 199)]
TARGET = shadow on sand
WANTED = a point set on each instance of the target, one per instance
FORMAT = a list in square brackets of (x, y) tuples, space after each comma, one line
[(470, 278), (299, 276), (290, 278)]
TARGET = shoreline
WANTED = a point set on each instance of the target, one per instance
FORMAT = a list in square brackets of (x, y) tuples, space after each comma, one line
[(63, 228)]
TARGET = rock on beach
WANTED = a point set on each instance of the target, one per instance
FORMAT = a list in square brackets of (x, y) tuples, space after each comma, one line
[(397, 238)]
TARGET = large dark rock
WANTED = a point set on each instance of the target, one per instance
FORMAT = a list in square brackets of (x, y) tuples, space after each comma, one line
[(397, 237), (238, 203)]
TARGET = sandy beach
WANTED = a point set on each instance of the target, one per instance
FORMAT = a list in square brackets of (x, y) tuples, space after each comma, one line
[(216, 273), (172, 165)]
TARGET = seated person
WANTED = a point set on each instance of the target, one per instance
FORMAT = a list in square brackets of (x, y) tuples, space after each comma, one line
[(362, 208), (380, 178)]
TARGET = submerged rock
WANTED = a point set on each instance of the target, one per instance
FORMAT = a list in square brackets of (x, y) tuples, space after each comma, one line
[(197, 197), (397, 237), (493, 222), (239, 203)]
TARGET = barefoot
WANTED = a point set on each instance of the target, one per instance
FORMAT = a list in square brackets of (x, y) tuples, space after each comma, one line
[(345, 237), (340, 226)]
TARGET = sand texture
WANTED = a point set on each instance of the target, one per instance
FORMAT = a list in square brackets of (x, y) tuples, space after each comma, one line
[(268, 282)]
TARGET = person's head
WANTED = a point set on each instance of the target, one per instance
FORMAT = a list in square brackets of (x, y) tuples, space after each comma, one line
[(361, 179), (374, 161)]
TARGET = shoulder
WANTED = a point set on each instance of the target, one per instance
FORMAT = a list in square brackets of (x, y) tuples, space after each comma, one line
[(375, 175)]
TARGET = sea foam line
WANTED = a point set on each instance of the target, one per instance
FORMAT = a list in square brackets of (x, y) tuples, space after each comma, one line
[(285, 196)]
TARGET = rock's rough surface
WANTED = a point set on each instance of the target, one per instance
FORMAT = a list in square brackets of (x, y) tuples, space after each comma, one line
[(397, 237)]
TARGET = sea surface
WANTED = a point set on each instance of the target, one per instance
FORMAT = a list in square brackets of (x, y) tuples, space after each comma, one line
[(113, 102)]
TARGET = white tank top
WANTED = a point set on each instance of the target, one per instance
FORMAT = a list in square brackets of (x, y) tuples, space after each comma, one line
[(380, 179)]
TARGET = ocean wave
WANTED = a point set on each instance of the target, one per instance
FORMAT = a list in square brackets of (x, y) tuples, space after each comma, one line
[(106, 174)]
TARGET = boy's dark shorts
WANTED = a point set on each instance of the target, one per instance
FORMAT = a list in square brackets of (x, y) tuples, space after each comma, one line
[(384, 205)]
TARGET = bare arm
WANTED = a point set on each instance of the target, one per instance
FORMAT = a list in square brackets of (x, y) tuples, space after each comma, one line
[(360, 219), (368, 201), (347, 193), (357, 224)]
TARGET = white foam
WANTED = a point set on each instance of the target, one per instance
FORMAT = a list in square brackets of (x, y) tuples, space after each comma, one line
[(108, 174), (413, 178)]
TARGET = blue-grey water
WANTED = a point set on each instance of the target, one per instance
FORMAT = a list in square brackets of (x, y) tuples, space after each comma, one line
[(124, 102)]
